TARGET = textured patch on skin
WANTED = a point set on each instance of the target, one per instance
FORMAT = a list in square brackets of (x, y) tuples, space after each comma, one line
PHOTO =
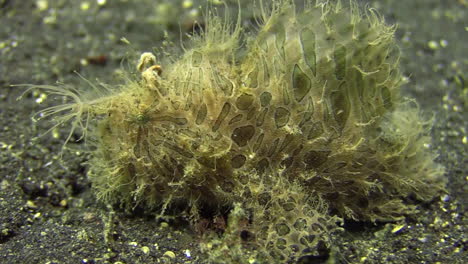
[(307, 122)]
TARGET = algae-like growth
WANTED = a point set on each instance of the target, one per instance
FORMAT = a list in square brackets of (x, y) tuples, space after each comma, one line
[(292, 128)]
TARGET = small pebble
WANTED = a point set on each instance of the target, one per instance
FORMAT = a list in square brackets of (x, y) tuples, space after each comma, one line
[(169, 254)]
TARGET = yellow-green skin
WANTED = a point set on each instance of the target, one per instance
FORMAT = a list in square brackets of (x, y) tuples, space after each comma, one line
[(304, 116)]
